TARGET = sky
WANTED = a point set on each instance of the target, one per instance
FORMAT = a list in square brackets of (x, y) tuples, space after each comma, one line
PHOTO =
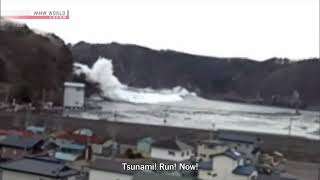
[(257, 29)]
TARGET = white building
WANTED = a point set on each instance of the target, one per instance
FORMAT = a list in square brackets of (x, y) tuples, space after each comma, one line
[(35, 169), (206, 149), (226, 166), (173, 150), (103, 169), (73, 95)]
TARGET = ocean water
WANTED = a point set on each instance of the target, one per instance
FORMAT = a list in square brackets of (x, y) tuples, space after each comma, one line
[(199, 113)]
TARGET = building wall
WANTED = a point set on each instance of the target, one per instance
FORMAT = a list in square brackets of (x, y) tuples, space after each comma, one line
[(73, 97), (167, 154), (13, 153), (204, 152), (222, 167), (103, 175), (11, 175)]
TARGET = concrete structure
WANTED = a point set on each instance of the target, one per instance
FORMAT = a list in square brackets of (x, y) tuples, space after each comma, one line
[(73, 95), (226, 166), (173, 150), (37, 169)]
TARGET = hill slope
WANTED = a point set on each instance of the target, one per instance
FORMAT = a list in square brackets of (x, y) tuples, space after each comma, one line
[(269, 82), (31, 63)]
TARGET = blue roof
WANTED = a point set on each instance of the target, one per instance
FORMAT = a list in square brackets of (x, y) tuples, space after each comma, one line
[(206, 165), (73, 146), (245, 170), (66, 156)]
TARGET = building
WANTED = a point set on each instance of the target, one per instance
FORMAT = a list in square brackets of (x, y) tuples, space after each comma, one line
[(158, 176), (172, 149), (208, 148), (102, 169), (37, 169), (229, 165), (144, 146), (248, 145), (71, 152), (14, 147), (73, 95)]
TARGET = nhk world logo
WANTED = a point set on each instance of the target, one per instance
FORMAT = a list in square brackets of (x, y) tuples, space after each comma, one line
[(39, 14)]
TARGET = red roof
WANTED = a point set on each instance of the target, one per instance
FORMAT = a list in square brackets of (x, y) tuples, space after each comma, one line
[(22, 133), (82, 139)]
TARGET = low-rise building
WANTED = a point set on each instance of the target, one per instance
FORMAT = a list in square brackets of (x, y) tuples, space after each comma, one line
[(15, 147), (248, 145), (172, 149), (71, 152), (208, 148), (229, 165), (37, 169), (102, 169)]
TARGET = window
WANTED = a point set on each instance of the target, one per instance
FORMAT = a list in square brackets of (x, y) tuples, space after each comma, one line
[(171, 153), (182, 154), (203, 155), (188, 153)]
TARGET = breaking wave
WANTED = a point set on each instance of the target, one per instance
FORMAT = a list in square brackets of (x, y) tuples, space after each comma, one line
[(102, 74)]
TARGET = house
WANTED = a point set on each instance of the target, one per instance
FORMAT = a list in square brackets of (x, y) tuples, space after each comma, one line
[(73, 95), (206, 149), (172, 149), (158, 176), (102, 169), (228, 165), (144, 146), (36, 169), (99, 145), (71, 152), (14, 147), (248, 145), (13, 132)]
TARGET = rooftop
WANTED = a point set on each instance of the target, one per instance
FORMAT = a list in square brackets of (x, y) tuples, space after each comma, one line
[(158, 176), (173, 144), (244, 170), (40, 167), (80, 138), (237, 137), (20, 142), (74, 84)]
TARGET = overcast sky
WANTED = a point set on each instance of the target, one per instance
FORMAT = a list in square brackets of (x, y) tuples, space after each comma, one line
[(257, 29)]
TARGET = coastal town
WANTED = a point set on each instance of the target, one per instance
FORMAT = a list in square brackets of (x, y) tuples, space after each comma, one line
[(46, 145)]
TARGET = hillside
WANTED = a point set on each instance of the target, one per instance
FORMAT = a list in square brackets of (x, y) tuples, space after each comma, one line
[(269, 82), (32, 65)]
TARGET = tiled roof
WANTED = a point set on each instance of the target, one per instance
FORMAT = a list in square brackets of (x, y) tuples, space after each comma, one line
[(20, 142), (39, 167), (15, 132), (82, 139)]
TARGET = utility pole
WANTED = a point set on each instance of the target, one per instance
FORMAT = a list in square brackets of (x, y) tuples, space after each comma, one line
[(115, 115), (290, 126), (165, 116)]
